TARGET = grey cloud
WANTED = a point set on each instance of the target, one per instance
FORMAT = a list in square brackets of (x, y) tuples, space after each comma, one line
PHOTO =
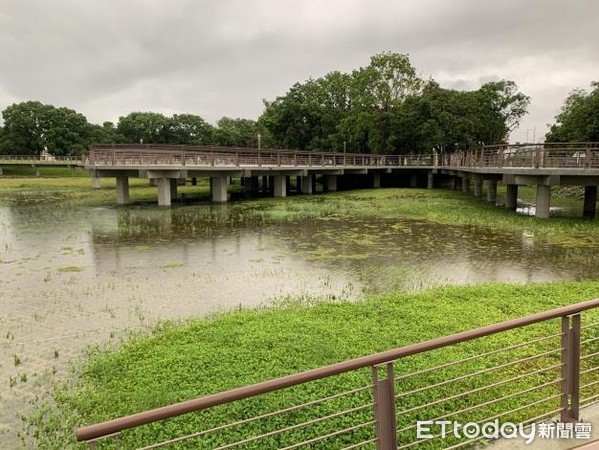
[(107, 58)]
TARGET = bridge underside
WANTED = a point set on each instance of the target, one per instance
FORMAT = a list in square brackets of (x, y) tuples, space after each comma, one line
[(278, 181)]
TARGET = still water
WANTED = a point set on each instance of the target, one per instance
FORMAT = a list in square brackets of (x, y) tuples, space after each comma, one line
[(73, 277)]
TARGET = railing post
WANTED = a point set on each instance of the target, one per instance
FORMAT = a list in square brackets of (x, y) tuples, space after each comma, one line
[(384, 409), (310, 159), (570, 400), (259, 161), (588, 157)]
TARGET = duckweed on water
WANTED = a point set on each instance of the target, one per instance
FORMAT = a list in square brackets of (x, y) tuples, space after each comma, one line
[(186, 360)]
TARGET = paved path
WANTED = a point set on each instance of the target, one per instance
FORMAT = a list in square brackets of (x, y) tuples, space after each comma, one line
[(589, 414)]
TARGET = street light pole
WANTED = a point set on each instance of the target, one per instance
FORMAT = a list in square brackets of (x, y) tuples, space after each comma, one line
[(259, 141)]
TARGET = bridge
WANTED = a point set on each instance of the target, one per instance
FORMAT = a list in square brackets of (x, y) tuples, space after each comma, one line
[(166, 166)]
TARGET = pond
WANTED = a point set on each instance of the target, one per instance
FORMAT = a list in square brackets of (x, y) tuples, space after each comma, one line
[(71, 277)]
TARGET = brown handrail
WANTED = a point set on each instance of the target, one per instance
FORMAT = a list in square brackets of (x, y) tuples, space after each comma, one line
[(116, 425)]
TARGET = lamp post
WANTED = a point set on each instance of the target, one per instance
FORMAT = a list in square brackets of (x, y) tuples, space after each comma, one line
[(259, 141)]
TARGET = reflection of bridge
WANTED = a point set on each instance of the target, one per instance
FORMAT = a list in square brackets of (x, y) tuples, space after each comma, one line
[(542, 165)]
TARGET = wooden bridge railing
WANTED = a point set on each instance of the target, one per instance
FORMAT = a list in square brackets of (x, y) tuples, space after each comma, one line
[(549, 155)]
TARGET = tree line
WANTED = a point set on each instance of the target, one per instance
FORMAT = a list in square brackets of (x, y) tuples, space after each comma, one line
[(31, 128), (384, 107)]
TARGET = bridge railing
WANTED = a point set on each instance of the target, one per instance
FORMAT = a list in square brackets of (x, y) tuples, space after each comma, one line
[(140, 154), (570, 155), (40, 159), (520, 371), (548, 155)]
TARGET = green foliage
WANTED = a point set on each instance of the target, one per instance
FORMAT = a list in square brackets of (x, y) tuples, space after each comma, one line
[(386, 108), (238, 133), (200, 357), (32, 128), (578, 119), (104, 134), (188, 129), (143, 127)]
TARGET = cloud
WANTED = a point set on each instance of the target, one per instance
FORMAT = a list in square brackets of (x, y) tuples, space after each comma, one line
[(109, 58)]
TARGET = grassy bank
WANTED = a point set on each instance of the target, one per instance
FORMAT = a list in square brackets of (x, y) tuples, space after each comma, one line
[(183, 361)]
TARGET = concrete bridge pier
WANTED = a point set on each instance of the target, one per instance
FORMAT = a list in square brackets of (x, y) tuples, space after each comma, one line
[(174, 183), (465, 183), (122, 190), (376, 180), (218, 188), (492, 191), (430, 180), (164, 191), (330, 183), (37, 171), (307, 184), (280, 185), (543, 201), (511, 197), (478, 187), (95, 180), (590, 202)]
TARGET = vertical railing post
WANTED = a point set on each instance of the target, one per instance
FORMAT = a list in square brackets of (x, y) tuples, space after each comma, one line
[(570, 400), (384, 409), (259, 161), (588, 157), (310, 159)]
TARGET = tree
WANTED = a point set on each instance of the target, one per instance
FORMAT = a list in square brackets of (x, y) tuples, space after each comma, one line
[(32, 127), (377, 94), (578, 119), (501, 107), (104, 134), (308, 115), (188, 129), (146, 127), (237, 132)]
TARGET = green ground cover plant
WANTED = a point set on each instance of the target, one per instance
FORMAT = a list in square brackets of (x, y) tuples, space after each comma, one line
[(181, 361)]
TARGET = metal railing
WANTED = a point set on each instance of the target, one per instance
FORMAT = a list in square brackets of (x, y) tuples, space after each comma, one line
[(43, 159), (548, 155), (497, 372), (569, 155)]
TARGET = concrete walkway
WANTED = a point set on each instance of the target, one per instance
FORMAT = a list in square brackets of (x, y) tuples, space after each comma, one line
[(589, 415)]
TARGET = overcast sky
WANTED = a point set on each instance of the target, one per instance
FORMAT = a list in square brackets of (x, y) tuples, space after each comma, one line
[(106, 58)]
